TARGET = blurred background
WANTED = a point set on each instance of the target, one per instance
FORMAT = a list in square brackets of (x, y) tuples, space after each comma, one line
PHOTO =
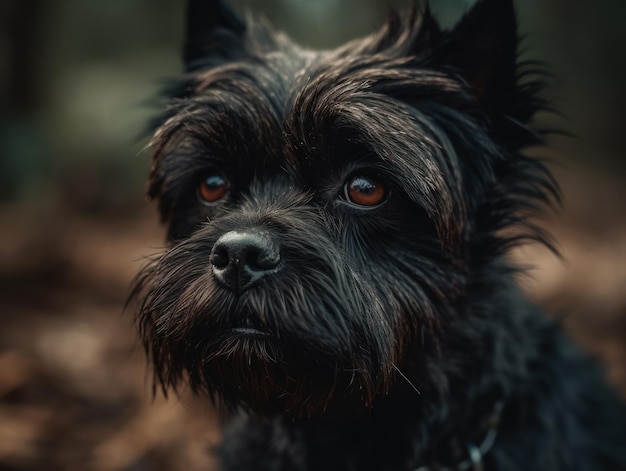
[(77, 85)]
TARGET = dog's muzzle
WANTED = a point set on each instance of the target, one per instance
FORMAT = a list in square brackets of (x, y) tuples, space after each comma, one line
[(240, 260)]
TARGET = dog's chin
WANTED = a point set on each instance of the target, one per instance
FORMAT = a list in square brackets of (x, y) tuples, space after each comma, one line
[(250, 367)]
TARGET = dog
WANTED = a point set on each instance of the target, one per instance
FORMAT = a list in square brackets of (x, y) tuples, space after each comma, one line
[(337, 278)]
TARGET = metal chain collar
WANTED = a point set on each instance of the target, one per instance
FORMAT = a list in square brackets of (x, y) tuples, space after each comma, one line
[(475, 454)]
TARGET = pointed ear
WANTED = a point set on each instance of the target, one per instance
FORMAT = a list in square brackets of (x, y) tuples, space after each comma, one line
[(407, 35), (482, 47), (430, 32), (215, 33)]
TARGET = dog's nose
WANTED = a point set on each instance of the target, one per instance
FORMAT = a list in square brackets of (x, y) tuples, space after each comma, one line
[(241, 259)]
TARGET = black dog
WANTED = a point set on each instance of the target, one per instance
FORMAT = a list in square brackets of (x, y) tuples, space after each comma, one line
[(337, 279)]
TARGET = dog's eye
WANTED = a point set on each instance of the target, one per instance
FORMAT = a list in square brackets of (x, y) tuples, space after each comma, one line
[(213, 188), (365, 191)]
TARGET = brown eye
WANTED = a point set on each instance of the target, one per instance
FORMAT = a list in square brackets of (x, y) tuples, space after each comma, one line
[(365, 191), (213, 188)]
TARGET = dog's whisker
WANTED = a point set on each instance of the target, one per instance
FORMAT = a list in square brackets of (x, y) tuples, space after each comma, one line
[(403, 376)]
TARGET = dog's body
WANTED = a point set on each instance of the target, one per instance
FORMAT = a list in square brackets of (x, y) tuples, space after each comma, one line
[(337, 279)]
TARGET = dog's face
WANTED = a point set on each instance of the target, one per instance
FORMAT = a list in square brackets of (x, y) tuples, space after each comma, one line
[(329, 212)]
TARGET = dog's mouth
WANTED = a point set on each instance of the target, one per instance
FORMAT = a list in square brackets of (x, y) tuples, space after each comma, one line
[(250, 328)]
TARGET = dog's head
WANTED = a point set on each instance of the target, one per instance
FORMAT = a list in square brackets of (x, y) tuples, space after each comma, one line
[(332, 213)]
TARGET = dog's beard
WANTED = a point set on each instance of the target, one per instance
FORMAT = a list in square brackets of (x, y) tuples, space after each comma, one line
[(317, 334)]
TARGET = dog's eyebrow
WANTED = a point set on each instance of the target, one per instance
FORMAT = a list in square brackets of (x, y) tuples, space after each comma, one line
[(423, 161), (234, 121)]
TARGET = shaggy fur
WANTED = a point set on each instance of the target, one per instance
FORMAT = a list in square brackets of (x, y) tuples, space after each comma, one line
[(364, 337)]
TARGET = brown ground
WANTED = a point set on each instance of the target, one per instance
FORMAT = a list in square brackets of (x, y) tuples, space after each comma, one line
[(74, 393)]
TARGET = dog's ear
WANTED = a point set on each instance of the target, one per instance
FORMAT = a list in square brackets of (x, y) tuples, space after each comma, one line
[(215, 33), (482, 47)]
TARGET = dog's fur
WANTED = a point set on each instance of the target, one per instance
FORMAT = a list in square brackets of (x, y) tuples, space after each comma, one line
[(382, 337)]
